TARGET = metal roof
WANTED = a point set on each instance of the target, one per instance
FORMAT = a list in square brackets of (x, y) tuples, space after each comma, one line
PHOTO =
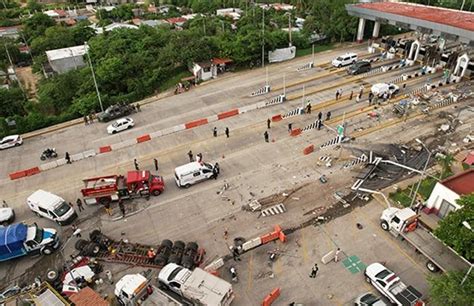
[(66, 52)]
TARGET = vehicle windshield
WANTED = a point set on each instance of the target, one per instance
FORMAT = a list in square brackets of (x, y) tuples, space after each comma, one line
[(383, 274), (62, 209), (39, 234), (208, 165), (369, 299), (174, 273), (115, 124), (339, 59)]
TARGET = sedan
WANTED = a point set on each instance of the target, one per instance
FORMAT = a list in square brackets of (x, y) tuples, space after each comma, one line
[(120, 125), (11, 141), (369, 299)]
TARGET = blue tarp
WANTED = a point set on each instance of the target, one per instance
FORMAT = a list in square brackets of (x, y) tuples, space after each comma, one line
[(12, 237)]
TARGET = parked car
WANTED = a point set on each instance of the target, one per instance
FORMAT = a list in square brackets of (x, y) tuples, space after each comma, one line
[(380, 88), (344, 60), (11, 141), (359, 67), (369, 299), (7, 215), (120, 125), (115, 111)]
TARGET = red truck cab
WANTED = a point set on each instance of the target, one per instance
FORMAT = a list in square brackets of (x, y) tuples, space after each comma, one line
[(142, 182)]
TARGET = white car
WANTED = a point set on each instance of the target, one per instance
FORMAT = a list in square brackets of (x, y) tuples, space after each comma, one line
[(380, 88), (7, 215), (120, 125), (369, 299), (344, 60), (11, 141)]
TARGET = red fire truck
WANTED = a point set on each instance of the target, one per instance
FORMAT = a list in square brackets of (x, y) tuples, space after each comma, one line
[(105, 189)]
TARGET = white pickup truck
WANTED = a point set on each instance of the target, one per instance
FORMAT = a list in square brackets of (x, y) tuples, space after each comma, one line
[(403, 223), (390, 285)]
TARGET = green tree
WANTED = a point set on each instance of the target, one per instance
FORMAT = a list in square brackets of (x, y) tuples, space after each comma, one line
[(36, 25), (11, 102), (33, 6), (452, 232), (446, 289)]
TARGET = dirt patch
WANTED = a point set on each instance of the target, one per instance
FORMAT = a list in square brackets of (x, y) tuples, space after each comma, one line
[(28, 79), (282, 197)]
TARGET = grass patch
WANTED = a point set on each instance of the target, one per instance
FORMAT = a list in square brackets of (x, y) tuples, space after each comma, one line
[(402, 197), (426, 187), (317, 49), (171, 82)]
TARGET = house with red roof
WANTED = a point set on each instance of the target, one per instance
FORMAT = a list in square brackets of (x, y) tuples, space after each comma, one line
[(176, 21), (445, 193)]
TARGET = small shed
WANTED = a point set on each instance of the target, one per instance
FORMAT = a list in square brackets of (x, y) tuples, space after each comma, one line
[(87, 297), (204, 71)]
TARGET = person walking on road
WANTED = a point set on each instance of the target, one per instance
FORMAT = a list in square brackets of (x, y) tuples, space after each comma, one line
[(108, 210), (138, 107), (265, 135), (351, 95), (155, 162), (135, 163), (235, 253), (190, 155), (320, 116), (4, 204), (86, 122), (308, 108), (290, 127), (67, 158), (227, 132), (337, 255), (328, 116), (79, 205), (268, 123), (122, 207), (199, 157), (214, 132), (314, 271), (337, 94), (76, 232)]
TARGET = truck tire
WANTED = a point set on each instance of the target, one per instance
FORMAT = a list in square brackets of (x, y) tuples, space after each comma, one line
[(105, 201), (167, 243), (47, 251), (95, 234), (156, 192), (192, 246), (384, 225), (92, 249), (160, 260), (174, 258), (179, 244), (52, 276), (187, 262), (80, 244), (432, 267)]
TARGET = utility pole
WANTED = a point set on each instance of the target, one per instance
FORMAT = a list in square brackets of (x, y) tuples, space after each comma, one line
[(289, 28), (302, 102), (266, 76), (423, 173), (263, 37), (312, 53), (14, 71), (93, 77)]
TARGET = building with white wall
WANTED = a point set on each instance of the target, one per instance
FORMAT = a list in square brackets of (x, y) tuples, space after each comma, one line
[(445, 193), (63, 60)]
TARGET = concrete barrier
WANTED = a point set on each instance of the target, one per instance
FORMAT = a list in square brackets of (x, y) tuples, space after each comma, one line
[(105, 149), (78, 156), (156, 134), (89, 153), (124, 144), (195, 123), (212, 118), (168, 131), (269, 299), (308, 150), (295, 132), (17, 175), (277, 118), (328, 257), (49, 166), (247, 108), (248, 245), (228, 114), (61, 162), (216, 264), (32, 171), (143, 138), (178, 128)]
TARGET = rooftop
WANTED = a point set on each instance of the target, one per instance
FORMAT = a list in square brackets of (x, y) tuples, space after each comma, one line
[(87, 297), (455, 18), (66, 52), (462, 183)]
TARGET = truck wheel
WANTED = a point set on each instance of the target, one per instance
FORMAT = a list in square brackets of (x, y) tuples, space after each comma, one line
[(432, 267), (52, 275), (156, 192), (95, 234), (94, 248), (384, 225), (187, 262), (80, 244), (192, 246), (160, 260), (47, 251), (105, 201), (167, 243), (187, 186), (179, 244)]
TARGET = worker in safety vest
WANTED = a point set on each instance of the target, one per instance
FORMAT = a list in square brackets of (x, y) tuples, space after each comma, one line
[(151, 254)]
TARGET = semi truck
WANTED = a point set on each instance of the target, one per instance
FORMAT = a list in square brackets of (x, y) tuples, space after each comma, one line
[(197, 286), (105, 189), (404, 223), (20, 239), (390, 285)]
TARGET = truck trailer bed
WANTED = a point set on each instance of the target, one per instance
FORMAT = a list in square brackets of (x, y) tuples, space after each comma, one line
[(435, 250)]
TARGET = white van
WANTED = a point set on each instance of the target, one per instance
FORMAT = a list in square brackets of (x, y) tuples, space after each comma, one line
[(344, 60), (195, 172), (48, 205)]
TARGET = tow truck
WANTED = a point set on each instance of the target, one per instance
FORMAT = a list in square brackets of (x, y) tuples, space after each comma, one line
[(404, 223), (105, 189)]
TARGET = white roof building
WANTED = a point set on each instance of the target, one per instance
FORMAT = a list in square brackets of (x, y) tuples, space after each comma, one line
[(113, 26), (63, 60), (233, 13)]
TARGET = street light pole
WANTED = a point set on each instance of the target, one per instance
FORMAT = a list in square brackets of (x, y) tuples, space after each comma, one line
[(423, 173), (93, 77)]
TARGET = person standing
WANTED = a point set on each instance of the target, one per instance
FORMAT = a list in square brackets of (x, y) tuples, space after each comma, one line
[(336, 256), (135, 163), (214, 132), (199, 157), (328, 116), (227, 132), (190, 155), (314, 271), (351, 95), (79, 205), (155, 162), (4, 204), (67, 158), (309, 108), (138, 107), (265, 135), (337, 94), (108, 209), (290, 127), (320, 116), (268, 123), (361, 92), (122, 207), (76, 232), (86, 122)]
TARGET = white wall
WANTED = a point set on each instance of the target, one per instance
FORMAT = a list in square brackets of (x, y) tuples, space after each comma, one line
[(440, 193)]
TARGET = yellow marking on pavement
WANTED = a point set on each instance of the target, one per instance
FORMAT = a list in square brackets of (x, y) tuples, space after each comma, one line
[(249, 271)]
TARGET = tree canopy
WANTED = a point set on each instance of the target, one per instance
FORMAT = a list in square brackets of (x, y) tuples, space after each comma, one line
[(446, 289)]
